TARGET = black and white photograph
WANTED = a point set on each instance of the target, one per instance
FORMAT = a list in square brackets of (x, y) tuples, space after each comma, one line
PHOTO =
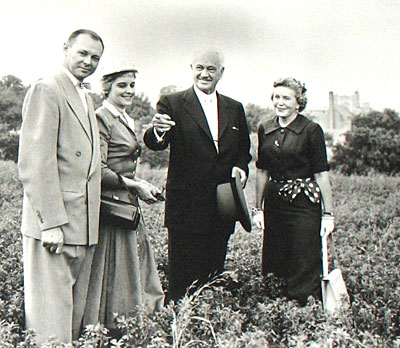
[(204, 173)]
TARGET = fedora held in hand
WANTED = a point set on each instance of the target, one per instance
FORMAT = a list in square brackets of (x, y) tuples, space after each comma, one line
[(334, 292), (231, 202)]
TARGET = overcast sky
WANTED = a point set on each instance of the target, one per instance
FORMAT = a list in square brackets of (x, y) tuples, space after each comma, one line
[(331, 45)]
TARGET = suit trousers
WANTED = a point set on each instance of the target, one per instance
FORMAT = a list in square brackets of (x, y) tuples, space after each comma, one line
[(195, 255), (55, 289)]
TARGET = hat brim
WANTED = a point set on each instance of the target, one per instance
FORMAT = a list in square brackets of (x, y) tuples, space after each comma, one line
[(231, 202), (121, 71)]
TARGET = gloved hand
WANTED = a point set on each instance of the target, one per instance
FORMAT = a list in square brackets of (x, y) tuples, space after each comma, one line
[(327, 225), (258, 219)]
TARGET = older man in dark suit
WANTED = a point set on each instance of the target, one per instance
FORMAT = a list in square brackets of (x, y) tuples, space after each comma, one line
[(209, 141), (59, 166)]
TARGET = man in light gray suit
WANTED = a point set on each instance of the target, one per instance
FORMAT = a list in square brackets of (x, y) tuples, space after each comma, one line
[(59, 166)]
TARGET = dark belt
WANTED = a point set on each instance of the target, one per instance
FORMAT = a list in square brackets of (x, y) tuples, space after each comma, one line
[(292, 187)]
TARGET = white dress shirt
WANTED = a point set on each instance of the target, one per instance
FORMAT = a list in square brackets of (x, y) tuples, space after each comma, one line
[(209, 103), (81, 91)]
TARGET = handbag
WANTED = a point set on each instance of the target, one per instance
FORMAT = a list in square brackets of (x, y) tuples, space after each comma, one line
[(334, 292), (126, 214)]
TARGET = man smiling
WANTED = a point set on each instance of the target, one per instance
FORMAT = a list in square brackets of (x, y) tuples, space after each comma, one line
[(59, 166), (209, 141)]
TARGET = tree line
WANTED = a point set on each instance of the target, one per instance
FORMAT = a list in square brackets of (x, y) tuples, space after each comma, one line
[(371, 145)]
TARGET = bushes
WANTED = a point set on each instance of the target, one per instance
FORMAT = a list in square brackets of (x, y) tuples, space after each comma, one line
[(243, 309), (155, 159), (12, 93), (373, 144), (256, 114), (11, 278), (9, 141)]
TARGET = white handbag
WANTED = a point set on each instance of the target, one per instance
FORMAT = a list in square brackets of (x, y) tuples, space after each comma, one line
[(334, 292)]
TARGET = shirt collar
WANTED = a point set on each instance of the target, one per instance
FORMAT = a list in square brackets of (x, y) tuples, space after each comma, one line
[(73, 79), (297, 126), (116, 113), (204, 96), (112, 108)]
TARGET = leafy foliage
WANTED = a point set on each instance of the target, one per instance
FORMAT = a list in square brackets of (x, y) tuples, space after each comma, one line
[(243, 309), (373, 144), (155, 159), (256, 114), (169, 89), (9, 142), (11, 276), (12, 93)]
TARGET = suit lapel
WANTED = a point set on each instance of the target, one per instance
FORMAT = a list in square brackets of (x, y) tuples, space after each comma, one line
[(94, 133), (75, 103), (223, 115), (127, 125), (119, 118), (194, 109)]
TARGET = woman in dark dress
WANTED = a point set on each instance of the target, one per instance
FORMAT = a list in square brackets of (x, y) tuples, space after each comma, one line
[(293, 193), (124, 274)]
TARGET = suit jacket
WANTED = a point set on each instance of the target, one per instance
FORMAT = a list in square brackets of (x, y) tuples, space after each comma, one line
[(195, 166), (119, 153), (59, 162)]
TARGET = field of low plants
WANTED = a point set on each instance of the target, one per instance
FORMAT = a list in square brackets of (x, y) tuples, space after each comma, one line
[(242, 309)]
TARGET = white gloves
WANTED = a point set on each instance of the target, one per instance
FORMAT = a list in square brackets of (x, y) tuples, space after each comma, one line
[(258, 219), (327, 225)]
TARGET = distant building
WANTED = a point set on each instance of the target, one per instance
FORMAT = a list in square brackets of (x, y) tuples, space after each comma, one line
[(336, 120)]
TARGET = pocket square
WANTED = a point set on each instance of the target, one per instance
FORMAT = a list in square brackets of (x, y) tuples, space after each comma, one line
[(235, 128)]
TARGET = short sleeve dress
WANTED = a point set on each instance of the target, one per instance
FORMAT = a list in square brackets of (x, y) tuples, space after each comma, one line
[(124, 274), (292, 204)]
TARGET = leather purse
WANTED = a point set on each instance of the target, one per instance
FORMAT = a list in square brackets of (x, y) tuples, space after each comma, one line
[(334, 292), (124, 213)]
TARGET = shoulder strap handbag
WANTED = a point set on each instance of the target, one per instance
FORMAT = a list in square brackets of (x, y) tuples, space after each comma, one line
[(122, 212), (334, 292)]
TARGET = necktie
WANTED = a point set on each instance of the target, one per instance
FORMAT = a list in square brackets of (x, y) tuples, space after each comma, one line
[(84, 85)]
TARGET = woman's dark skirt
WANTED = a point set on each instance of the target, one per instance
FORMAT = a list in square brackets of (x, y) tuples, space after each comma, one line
[(292, 243)]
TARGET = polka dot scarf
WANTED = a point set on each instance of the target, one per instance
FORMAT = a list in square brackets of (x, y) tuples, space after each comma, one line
[(292, 188)]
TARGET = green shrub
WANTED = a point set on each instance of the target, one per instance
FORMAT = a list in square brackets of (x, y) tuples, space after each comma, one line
[(373, 144), (11, 276), (155, 159), (9, 142)]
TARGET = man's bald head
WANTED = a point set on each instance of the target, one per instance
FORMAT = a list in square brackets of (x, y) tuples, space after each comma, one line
[(208, 68), (209, 54)]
